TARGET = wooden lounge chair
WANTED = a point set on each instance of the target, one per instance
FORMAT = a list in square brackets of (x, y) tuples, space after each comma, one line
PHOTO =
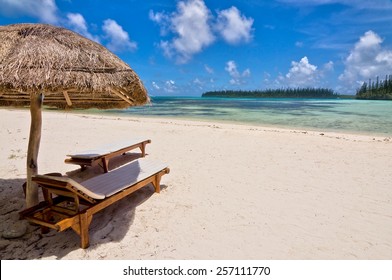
[(69, 204), (105, 153)]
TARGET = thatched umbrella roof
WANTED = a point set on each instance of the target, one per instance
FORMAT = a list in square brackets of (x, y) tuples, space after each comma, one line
[(71, 70)]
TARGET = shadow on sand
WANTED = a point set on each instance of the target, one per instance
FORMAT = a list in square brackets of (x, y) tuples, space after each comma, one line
[(111, 224)]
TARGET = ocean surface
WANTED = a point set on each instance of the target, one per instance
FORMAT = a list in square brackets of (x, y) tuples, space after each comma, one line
[(339, 115)]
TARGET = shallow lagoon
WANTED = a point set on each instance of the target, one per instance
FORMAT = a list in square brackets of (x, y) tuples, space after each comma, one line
[(340, 115)]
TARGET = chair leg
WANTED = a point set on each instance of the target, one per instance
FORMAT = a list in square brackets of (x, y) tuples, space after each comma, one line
[(143, 149), (46, 217), (157, 183), (157, 179), (84, 235)]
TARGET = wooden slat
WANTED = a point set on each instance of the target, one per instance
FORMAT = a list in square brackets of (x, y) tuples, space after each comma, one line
[(123, 96), (69, 102), (41, 222)]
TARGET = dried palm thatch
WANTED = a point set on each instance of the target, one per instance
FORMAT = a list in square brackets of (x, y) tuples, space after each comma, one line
[(70, 70), (39, 60)]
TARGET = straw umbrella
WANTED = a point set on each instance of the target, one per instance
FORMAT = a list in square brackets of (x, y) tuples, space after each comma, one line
[(42, 64)]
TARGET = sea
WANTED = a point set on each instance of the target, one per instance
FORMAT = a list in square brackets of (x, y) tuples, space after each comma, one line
[(337, 115)]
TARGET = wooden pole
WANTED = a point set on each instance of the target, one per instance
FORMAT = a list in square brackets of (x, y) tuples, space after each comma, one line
[(33, 148)]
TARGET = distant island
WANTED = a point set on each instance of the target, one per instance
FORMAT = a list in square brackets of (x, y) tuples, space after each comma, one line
[(275, 93), (373, 90), (376, 90)]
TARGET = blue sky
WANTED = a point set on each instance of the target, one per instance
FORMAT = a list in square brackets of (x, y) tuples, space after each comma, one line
[(187, 47)]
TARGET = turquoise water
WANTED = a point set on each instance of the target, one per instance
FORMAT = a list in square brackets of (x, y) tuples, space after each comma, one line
[(341, 115)]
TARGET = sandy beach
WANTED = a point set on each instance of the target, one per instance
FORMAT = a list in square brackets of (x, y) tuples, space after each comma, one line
[(234, 191)]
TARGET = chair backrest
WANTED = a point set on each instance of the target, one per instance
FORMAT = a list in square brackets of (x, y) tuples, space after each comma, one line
[(67, 184)]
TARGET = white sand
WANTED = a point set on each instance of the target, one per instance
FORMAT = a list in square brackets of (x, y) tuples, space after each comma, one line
[(234, 191)]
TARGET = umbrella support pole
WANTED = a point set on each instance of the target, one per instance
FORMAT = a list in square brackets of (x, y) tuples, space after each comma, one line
[(33, 148)]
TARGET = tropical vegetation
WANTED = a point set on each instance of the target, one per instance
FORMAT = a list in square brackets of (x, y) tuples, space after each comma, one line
[(379, 89), (275, 93)]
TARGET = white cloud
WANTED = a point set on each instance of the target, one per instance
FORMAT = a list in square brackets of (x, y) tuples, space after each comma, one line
[(78, 24), (301, 71), (237, 78), (269, 26), (329, 66), (234, 27), (118, 38), (194, 28), (208, 69), (44, 10), (301, 74), (266, 77), (157, 17), (170, 86), (366, 60), (385, 57), (162, 19), (359, 4), (189, 24), (155, 86), (198, 83)]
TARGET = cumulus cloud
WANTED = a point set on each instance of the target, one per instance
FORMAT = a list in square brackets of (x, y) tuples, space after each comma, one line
[(78, 24), (190, 25), (44, 10), (162, 19), (367, 59), (198, 84), (359, 4), (118, 38), (170, 86), (303, 74), (234, 27), (194, 28), (155, 86), (329, 66), (115, 37), (237, 78), (157, 17)]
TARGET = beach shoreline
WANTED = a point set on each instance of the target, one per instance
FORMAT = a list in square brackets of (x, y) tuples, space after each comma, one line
[(330, 132), (354, 116), (235, 191)]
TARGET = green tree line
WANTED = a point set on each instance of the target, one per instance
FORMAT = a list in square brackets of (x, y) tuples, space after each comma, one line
[(379, 89), (275, 93)]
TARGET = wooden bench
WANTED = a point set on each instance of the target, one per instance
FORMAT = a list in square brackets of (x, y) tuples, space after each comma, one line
[(105, 153), (69, 204)]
